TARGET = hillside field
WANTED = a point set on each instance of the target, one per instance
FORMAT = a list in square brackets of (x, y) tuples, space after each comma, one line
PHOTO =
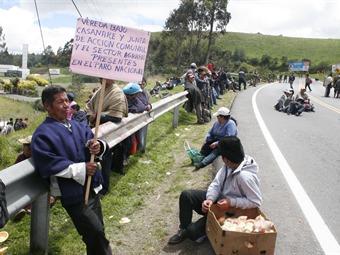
[(256, 45)]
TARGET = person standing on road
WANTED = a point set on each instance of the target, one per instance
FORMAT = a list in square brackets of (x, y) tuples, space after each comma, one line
[(291, 80), (337, 87), (308, 82), (242, 80), (61, 151), (328, 84), (235, 185)]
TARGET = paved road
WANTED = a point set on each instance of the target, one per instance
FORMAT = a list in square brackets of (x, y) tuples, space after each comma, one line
[(309, 144)]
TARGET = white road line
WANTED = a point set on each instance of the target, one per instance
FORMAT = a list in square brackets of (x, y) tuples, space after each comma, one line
[(327, 241)]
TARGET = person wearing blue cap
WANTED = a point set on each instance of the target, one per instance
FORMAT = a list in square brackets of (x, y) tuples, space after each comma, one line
[(144, 96), (135, 103)]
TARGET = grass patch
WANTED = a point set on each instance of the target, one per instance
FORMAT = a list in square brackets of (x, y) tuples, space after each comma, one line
[(256, 45)]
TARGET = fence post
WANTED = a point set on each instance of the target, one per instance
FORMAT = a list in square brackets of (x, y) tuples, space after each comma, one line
[(175, 118), (40, 218)]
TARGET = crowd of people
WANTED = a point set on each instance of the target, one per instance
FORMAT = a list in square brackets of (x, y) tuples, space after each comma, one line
[(332, 83), (205, 85), (62, 145), (7, 127), (295, 105)]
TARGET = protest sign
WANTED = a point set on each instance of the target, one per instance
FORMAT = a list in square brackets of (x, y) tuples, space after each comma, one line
[(109, 51)]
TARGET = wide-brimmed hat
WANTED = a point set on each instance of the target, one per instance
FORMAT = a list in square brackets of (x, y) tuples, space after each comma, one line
[(224, 111), (26, 140)]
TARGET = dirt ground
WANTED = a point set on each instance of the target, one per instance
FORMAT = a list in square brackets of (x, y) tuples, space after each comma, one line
[(151, 226)]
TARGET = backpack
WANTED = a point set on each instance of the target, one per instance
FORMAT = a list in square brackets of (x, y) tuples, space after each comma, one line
[(3, 205)]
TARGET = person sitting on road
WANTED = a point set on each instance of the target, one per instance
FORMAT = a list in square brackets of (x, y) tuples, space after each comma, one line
[(282, 104), (303, 99), (236, 185), (224, 126)]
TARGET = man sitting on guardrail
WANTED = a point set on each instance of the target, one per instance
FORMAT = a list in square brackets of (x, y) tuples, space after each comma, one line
[(61, 151), (236, 185), (114, 109)]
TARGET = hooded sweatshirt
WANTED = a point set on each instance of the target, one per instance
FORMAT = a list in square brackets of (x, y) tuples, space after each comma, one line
[(241, 185)]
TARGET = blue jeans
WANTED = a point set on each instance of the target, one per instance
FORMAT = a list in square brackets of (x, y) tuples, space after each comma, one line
[(210, 157), (209, 154), (141, 134)]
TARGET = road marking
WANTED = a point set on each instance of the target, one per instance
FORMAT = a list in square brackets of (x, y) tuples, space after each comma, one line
[(326, 239), (320, 102)]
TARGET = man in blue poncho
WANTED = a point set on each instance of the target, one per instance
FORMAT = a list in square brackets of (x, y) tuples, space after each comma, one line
[(61, 152)]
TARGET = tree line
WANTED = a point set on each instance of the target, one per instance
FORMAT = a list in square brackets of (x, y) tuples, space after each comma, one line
[(189, 35)]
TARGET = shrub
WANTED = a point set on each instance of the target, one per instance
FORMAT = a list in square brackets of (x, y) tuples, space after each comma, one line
[(7, 85), (38, 79), (28, 85), (15, 82)]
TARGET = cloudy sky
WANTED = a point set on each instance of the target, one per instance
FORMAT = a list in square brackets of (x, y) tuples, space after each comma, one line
[(298, 18)]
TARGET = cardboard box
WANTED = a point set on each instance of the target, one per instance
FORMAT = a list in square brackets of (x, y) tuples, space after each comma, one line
[(238, 243)]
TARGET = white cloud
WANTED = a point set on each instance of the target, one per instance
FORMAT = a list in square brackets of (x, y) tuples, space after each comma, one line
[(148, 15), (300, 18)]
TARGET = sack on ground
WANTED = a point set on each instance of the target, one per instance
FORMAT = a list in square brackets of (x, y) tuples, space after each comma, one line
[(193, 154)]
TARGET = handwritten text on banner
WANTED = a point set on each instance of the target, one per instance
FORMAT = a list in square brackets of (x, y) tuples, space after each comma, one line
[(109, 51)]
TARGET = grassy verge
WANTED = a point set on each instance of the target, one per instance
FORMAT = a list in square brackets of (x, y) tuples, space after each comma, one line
[(9, 147), (129, 193)]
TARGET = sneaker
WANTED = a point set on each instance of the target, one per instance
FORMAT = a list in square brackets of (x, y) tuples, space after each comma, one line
[(19, 215), (199, 166), (201, 239), (179, 237)]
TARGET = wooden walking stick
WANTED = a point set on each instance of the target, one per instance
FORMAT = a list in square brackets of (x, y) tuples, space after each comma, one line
[(100, 106)]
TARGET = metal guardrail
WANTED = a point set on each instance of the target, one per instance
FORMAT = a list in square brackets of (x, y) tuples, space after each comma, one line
[(24, 186)]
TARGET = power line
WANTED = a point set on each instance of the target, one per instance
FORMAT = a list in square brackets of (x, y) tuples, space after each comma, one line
[(76, 8), (42, 38)]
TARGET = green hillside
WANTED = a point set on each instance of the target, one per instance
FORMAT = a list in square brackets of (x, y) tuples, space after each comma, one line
[(256, 45)]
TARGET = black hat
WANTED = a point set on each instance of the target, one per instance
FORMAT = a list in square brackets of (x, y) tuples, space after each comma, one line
[(70, 96), (231, 148)]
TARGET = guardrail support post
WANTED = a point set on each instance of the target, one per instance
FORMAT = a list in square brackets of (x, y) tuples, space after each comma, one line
[(175, 118), (40, 217)]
